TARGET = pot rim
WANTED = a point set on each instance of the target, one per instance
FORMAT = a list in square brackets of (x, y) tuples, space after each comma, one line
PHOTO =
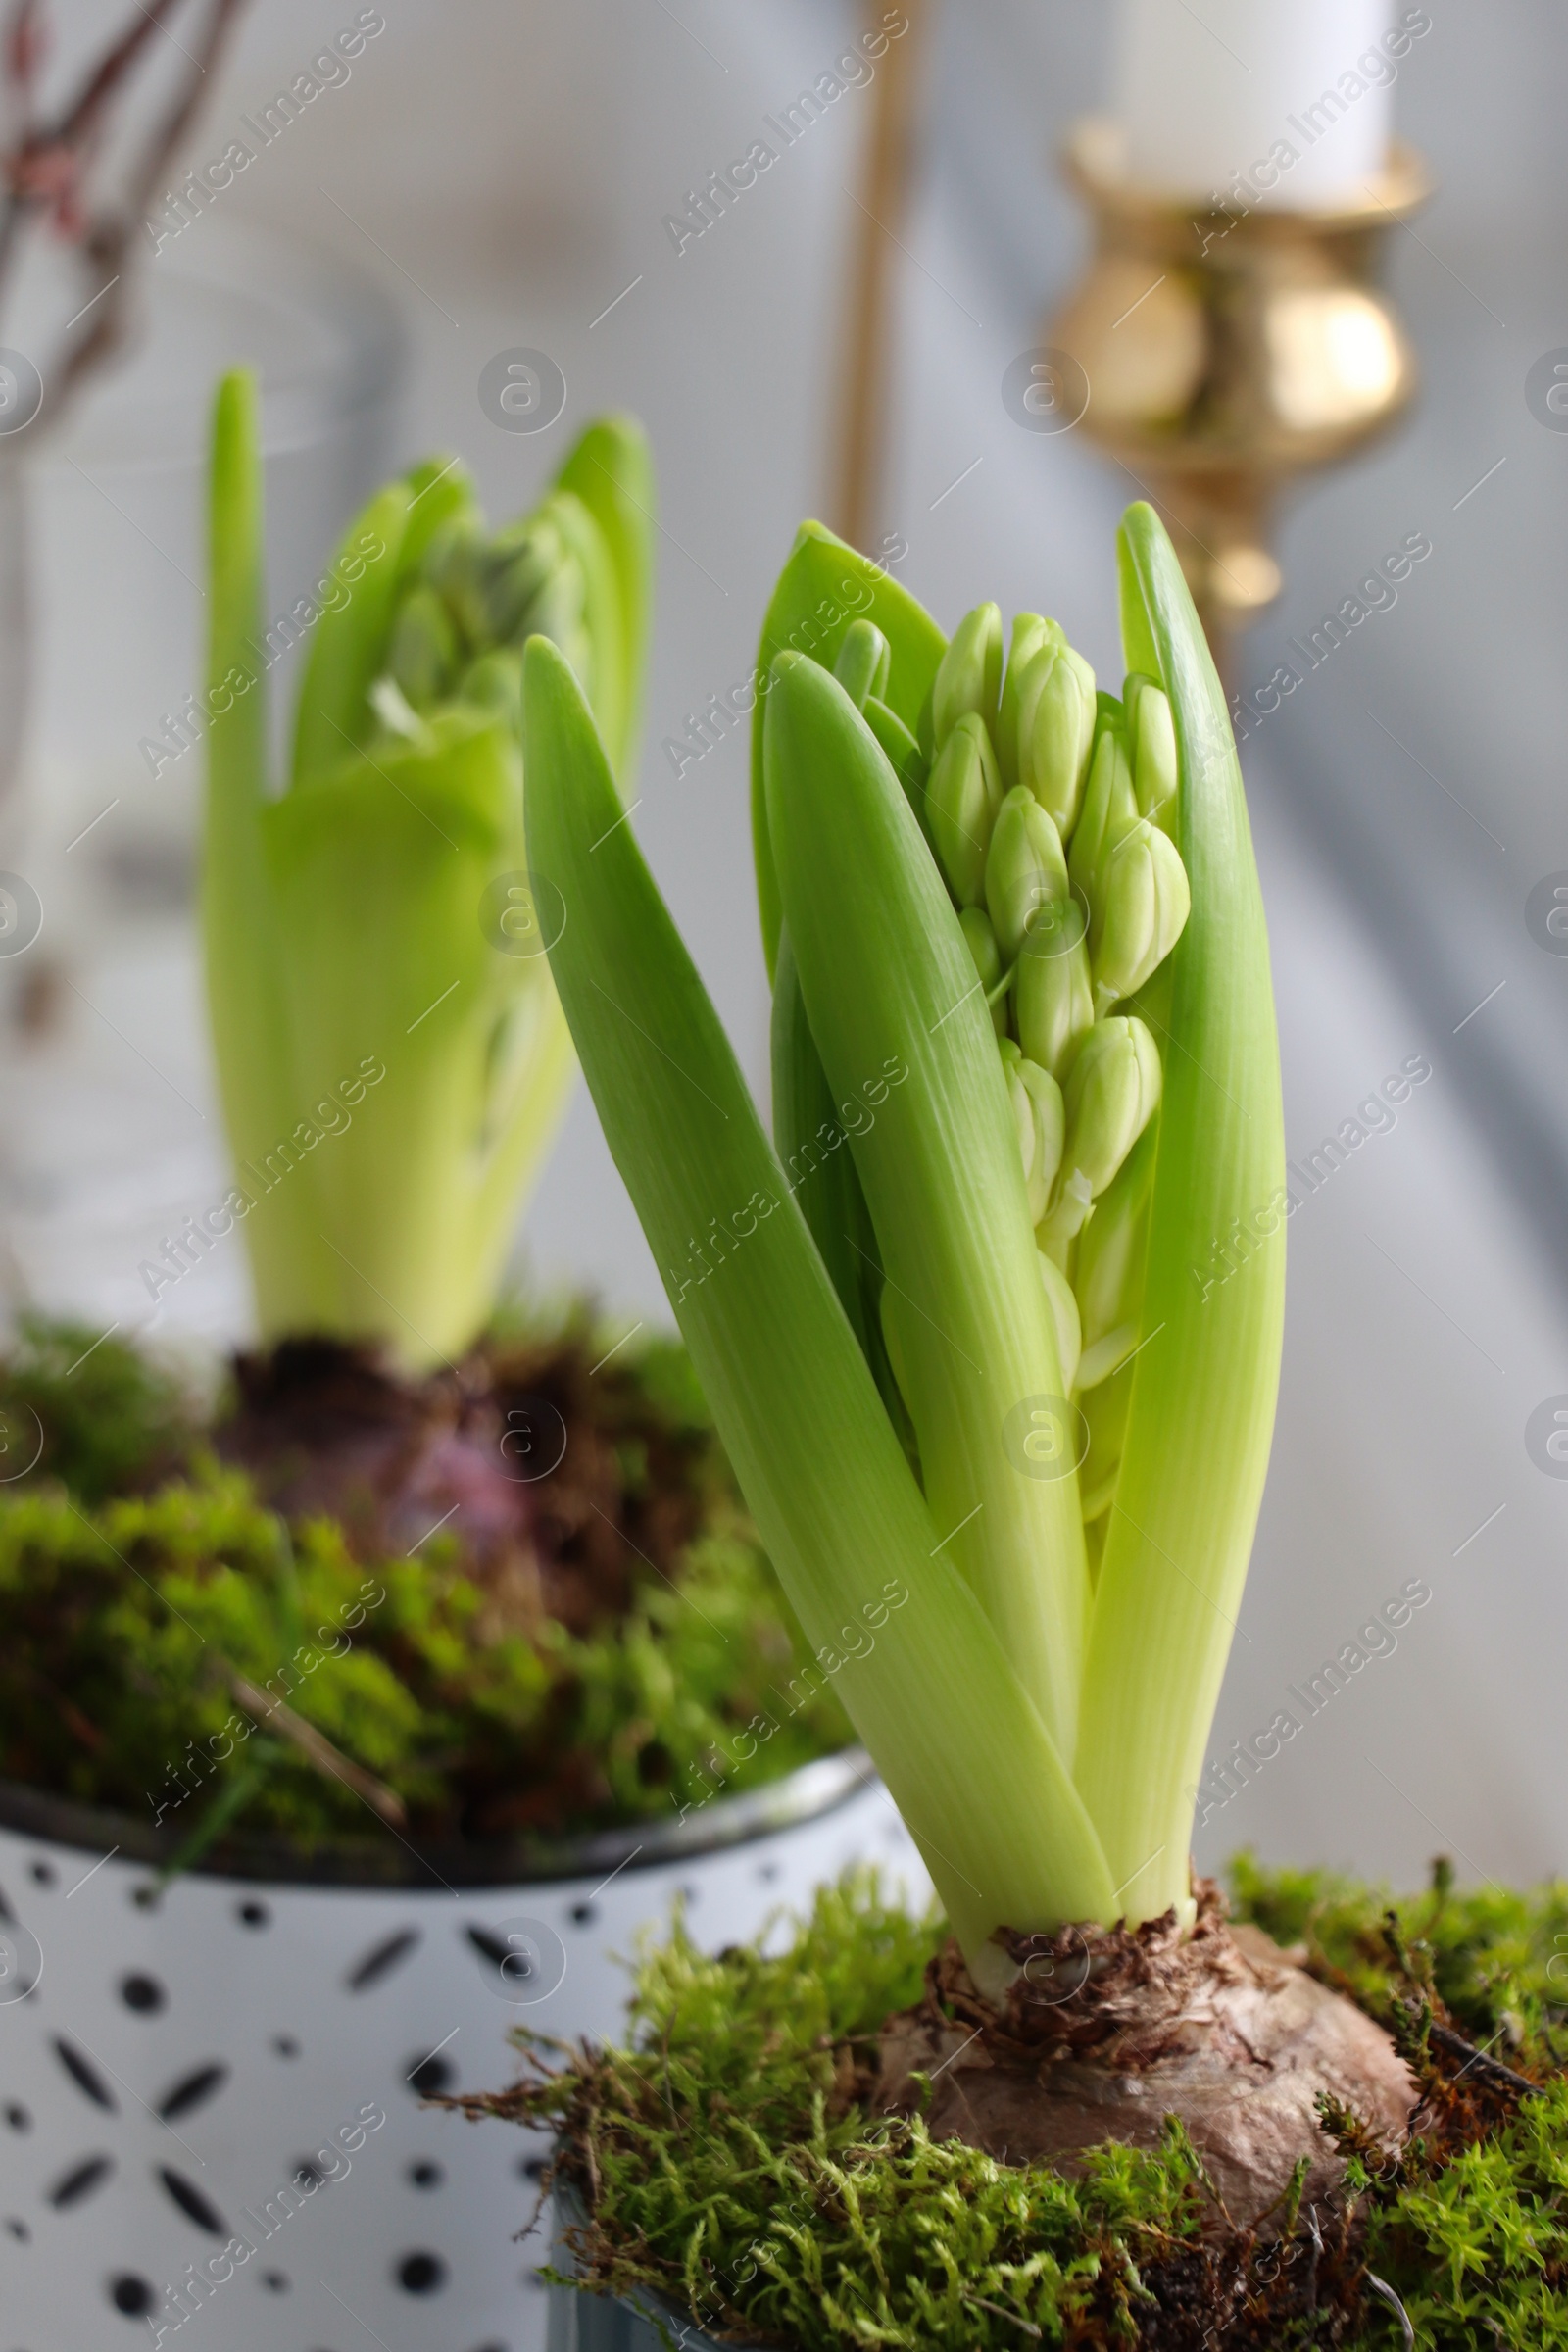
[(804, 1794)]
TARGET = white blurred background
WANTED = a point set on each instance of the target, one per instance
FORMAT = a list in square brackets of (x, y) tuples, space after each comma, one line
[(496, 176)]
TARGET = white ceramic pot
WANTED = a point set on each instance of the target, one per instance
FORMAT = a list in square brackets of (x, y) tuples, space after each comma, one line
[(209, 2098)]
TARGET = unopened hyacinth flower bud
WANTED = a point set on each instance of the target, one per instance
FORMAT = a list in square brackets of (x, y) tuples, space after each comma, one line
[(1110, 1276), (1026, 869), (1064, 1220), (1145, 906), (1030, 631), (1111, 1094), (981, 940), (422, 656), (473, 594), (1152, 735), (1051, 1131), (862, 667), (1052, 993), (1110, 813), (559, 612), (863, 661), (968, 676), (1041, 1115), (963, 798), (495, 684), (1055, 731), (516, 565), (454, 565)]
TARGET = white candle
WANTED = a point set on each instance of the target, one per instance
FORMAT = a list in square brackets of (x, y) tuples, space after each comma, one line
[(1285, 102)]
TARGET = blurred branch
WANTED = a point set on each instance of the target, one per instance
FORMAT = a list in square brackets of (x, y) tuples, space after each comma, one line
[(46, 168)]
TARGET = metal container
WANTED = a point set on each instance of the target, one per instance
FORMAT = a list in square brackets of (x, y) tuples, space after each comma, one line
[(642, 2323)]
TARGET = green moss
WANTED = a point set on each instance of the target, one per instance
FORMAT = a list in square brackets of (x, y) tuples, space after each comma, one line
[(731, 2178), (1472, 2230), (106, 1416), (729, 2166), (1477, 2246), (1496, 1960), (126, 1616), (125, 1628)]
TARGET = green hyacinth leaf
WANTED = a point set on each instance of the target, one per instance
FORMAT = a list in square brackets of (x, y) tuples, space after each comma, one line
[(1203, 1387), (885, 968), (822, 590), (242, 949), (811, 1134), (417, 991)]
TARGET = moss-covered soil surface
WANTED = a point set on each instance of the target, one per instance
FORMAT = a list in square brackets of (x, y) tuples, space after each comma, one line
[(521, 1599), (725, 2165)]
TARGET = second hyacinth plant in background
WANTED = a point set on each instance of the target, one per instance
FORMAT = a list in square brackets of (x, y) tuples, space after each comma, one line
[(391, 1052)]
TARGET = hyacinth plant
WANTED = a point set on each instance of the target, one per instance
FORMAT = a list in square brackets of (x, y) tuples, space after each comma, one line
[(1025, 1077), (391, 1052)]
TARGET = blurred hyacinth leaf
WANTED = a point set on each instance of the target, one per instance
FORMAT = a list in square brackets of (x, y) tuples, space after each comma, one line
[(347, 649), (243, 951), (611, 471)]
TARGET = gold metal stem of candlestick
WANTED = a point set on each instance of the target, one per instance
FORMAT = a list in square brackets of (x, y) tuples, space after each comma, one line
[(1228, 350), (877, 226)]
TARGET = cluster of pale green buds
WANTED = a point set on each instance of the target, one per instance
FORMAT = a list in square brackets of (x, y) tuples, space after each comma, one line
[(463, 618), (1051, 812)]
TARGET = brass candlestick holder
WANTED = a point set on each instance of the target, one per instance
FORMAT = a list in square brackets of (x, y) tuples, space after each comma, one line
[(1225, 350)]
